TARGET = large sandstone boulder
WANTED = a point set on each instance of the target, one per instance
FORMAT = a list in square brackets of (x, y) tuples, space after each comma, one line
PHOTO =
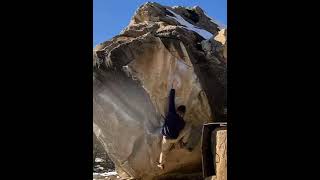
[(132, 75), (221, 154), (219, 146)]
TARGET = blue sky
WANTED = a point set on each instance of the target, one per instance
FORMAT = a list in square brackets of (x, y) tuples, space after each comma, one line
[(111, 16)]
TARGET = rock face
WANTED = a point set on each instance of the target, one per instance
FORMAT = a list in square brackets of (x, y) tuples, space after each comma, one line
[(221, 147), (219, 143), (133, 73), (101, 160)]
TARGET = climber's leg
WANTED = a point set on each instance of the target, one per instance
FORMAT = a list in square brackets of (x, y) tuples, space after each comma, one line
[(165, 148)]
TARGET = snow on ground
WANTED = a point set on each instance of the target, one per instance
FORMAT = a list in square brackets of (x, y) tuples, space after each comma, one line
[(113, 173), (205, 34), (106, 176), (99, 160)]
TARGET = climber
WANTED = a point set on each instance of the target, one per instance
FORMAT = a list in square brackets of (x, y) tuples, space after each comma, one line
[(174, 130)]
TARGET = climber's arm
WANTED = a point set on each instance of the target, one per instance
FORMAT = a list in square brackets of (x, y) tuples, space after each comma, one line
[(172, 107)]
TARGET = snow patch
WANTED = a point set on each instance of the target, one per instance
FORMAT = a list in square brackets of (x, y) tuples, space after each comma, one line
[(106, 174), (109, 174), (205, 34), (99, 160)]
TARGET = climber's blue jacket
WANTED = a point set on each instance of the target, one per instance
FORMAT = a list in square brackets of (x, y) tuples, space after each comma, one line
[(173, 123)]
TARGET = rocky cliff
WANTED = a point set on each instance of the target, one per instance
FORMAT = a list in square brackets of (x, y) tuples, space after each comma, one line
[(132, 75)]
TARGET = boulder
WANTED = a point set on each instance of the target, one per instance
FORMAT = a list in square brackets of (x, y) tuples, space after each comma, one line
[(132, 76)]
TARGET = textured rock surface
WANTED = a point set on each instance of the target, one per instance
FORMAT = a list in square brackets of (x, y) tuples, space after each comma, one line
[(220, 137), (101, 160), (219, 143), (132, 75)]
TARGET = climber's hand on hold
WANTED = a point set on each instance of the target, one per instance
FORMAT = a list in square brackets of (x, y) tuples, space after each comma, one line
[(175, 84)]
